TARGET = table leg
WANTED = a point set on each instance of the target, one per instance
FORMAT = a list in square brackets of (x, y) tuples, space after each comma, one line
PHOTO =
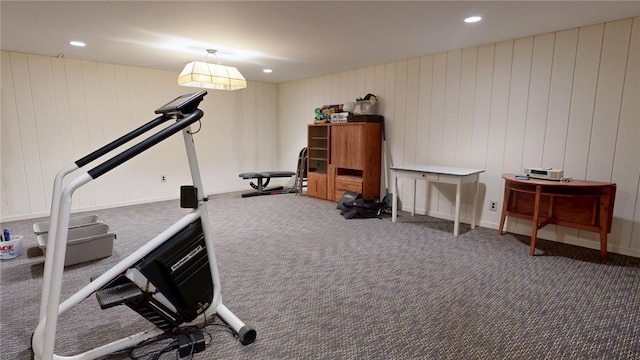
[(413, 191), (536, 214), (505, 206), (394, 201), (604, 225), (475, 203), (603, 244), (456, 211)]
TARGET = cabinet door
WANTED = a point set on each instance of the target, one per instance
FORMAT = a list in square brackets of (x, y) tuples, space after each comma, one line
[(317, 185), (347, 144)]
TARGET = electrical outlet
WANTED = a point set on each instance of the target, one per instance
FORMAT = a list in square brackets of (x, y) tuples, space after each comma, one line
[(493, 205), (163, 178)]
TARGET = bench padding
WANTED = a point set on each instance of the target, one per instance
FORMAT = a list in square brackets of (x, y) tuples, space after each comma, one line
[(266, 176)]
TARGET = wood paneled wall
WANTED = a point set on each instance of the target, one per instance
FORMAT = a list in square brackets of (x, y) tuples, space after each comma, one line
[(56, 110), (569, 100)]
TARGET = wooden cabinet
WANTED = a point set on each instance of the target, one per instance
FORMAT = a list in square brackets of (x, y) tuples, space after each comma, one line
[(349, 159)]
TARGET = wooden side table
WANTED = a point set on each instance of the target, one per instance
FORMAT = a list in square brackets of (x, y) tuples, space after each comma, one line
[(578, 204)]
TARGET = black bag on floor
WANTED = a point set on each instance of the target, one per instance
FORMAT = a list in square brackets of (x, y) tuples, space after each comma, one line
[(347, 197), (362, 208)]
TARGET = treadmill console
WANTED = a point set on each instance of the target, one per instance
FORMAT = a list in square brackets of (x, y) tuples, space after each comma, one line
[(184, 104)]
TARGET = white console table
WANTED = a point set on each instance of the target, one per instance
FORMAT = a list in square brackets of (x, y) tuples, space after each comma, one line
[(441, 174)]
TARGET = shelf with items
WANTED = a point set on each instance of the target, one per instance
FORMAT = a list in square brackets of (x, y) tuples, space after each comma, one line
[(317, 160), (318, 149)]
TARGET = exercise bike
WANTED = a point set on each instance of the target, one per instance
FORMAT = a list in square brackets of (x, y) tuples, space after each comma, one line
[(171, 280)]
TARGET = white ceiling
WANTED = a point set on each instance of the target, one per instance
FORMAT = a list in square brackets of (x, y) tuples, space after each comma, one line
[(297, 39)]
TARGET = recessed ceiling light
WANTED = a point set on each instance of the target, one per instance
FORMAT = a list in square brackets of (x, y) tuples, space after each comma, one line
[(473, 19), (77, 43), (267, 71)]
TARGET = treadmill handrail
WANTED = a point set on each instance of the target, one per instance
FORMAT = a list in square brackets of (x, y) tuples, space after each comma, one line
[(121, 140), (154, 139)]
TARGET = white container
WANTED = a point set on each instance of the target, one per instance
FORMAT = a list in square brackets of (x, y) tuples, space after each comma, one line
[(43, 227), (12, 248), (84, 243)]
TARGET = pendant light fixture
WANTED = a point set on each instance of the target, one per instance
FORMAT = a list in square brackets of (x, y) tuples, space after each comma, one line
[(202, 74)]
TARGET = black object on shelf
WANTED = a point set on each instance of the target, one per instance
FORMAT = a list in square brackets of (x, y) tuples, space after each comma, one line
[(365, 118)]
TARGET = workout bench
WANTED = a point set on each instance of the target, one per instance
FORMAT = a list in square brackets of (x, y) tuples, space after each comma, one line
[(263, 179)]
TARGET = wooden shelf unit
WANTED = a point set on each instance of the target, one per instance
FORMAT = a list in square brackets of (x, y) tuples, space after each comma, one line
[(352, 154), (317, 160)]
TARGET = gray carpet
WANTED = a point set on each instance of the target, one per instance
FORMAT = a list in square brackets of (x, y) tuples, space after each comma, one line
[(317, 286)]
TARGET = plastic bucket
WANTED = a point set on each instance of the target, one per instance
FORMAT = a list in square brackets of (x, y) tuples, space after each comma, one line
[(12, 248)]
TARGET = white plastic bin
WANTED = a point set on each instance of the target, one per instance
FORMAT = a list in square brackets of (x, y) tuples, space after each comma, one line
[(43, 227), (84, 243)]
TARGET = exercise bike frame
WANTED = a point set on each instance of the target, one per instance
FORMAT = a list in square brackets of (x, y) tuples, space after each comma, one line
[(51, 307)]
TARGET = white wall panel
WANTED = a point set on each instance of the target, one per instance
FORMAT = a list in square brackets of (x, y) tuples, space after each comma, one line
[(465, 121), (481, 117), (517, 106), (436, 125), (447, 192), (606, 111), (62, 113), (537, 107), (560, 89), (15, 192), (422, 127), (335, 90), (389, 98), (438, 95), (482, 106), (370, 80), (378, 85), (626, 169), (47, 134), (378, 89), (466, 106), (108, 191), (585, 81), (411, 116), (451, 106), (397, 137), (28, 132), (352, 91), (361, 82), (388, 109), (538, 100), (121, 124), (498, 124), (78, 117), (343, 88), (579, 134)]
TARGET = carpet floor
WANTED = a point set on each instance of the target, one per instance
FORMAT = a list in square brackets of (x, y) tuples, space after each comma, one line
[(317, 286)]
